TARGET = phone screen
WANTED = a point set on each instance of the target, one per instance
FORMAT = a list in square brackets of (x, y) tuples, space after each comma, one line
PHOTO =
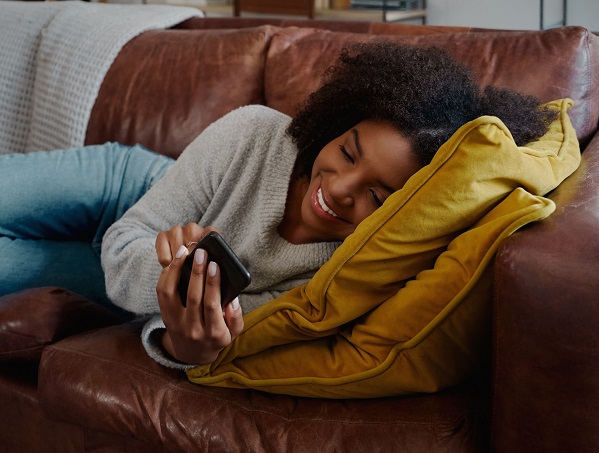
[(234, 277)]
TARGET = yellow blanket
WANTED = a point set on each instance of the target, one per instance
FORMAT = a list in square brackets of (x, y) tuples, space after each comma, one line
[(403, 305)]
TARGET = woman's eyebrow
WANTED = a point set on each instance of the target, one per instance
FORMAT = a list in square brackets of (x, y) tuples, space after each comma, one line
[(356, 136)]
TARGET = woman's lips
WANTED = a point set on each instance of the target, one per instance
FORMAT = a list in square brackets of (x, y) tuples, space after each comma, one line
[(321, 208), (322, 203)]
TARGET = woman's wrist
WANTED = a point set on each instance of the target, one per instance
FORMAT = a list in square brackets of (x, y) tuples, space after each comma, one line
[(167, 344)]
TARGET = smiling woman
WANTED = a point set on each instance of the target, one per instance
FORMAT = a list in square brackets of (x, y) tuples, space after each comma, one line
[(381, 114), (293, 187), (351, 177)]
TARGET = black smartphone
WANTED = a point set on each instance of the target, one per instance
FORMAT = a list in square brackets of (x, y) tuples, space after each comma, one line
[(234, 277)]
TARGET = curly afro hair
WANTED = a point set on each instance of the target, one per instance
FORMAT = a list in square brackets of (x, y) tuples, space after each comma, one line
[(421, 91)]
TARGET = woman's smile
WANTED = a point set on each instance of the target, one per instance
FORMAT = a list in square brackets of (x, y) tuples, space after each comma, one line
[(321, 208)]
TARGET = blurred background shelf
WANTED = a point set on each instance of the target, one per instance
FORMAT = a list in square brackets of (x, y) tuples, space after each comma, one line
[(377, 10)]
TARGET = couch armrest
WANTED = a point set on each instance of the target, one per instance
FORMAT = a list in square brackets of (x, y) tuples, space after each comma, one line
[(34, 318), (546, 313)]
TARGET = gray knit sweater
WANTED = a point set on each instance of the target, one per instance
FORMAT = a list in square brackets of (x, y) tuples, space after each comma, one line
[(234, 176)]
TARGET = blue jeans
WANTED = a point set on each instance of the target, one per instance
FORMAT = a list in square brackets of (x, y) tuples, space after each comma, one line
[(55, 207)]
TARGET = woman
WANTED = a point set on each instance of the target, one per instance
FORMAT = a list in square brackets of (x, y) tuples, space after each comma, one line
[(284, 192)]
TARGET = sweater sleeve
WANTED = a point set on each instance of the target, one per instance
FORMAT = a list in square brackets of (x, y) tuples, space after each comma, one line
[(128, 249), (150, 337)]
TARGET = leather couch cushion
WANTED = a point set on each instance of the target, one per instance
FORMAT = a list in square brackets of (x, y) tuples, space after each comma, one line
[(357, 329), (551, 64), (104, 380), (34, 318), (165, 87)]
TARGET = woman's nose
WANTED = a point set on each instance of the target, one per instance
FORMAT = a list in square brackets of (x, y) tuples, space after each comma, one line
[(342, 188)]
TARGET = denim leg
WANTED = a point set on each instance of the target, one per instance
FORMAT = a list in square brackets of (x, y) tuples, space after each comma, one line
[(55, 207), (28, 263)]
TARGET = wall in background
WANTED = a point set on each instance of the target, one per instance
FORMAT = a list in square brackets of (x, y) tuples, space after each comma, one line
[(512, 14), (585, 13), (502, 14)]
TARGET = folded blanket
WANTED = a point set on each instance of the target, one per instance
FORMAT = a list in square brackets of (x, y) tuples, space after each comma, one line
[(53, 59)]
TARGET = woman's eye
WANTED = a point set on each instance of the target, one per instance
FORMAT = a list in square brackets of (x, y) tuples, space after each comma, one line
[(346, 154), (375, 198)]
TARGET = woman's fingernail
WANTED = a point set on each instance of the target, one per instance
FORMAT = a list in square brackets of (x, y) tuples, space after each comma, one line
[(235, 304), (200, 256), (181, 252), (212, 269)]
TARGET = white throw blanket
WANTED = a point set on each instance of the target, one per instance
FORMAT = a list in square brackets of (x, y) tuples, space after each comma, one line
[(53, 59)]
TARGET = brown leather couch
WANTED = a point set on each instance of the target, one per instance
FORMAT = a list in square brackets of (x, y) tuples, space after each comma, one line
[(74, 377)]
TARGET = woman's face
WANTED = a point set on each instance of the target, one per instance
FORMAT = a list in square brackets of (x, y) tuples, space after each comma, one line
[(352, 177)]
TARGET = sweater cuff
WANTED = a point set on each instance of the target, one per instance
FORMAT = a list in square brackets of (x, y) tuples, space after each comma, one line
[(151, 335)]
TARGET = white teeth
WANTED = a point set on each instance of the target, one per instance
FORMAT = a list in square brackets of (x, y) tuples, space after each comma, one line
[(324, 207)]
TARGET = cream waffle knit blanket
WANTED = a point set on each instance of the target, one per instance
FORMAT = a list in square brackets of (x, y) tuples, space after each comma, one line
[(53, 59)]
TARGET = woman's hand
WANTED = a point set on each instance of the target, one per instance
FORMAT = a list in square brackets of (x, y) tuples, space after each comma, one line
[(195, 333), (168, 242)]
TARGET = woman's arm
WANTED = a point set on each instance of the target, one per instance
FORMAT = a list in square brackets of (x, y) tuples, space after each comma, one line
[(185, 194), (181, 197)]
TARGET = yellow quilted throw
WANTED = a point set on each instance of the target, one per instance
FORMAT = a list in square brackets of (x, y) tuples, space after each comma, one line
[(403, 305)]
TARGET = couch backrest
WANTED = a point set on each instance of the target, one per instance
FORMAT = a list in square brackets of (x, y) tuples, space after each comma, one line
[(348, 26), (166, 86)]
